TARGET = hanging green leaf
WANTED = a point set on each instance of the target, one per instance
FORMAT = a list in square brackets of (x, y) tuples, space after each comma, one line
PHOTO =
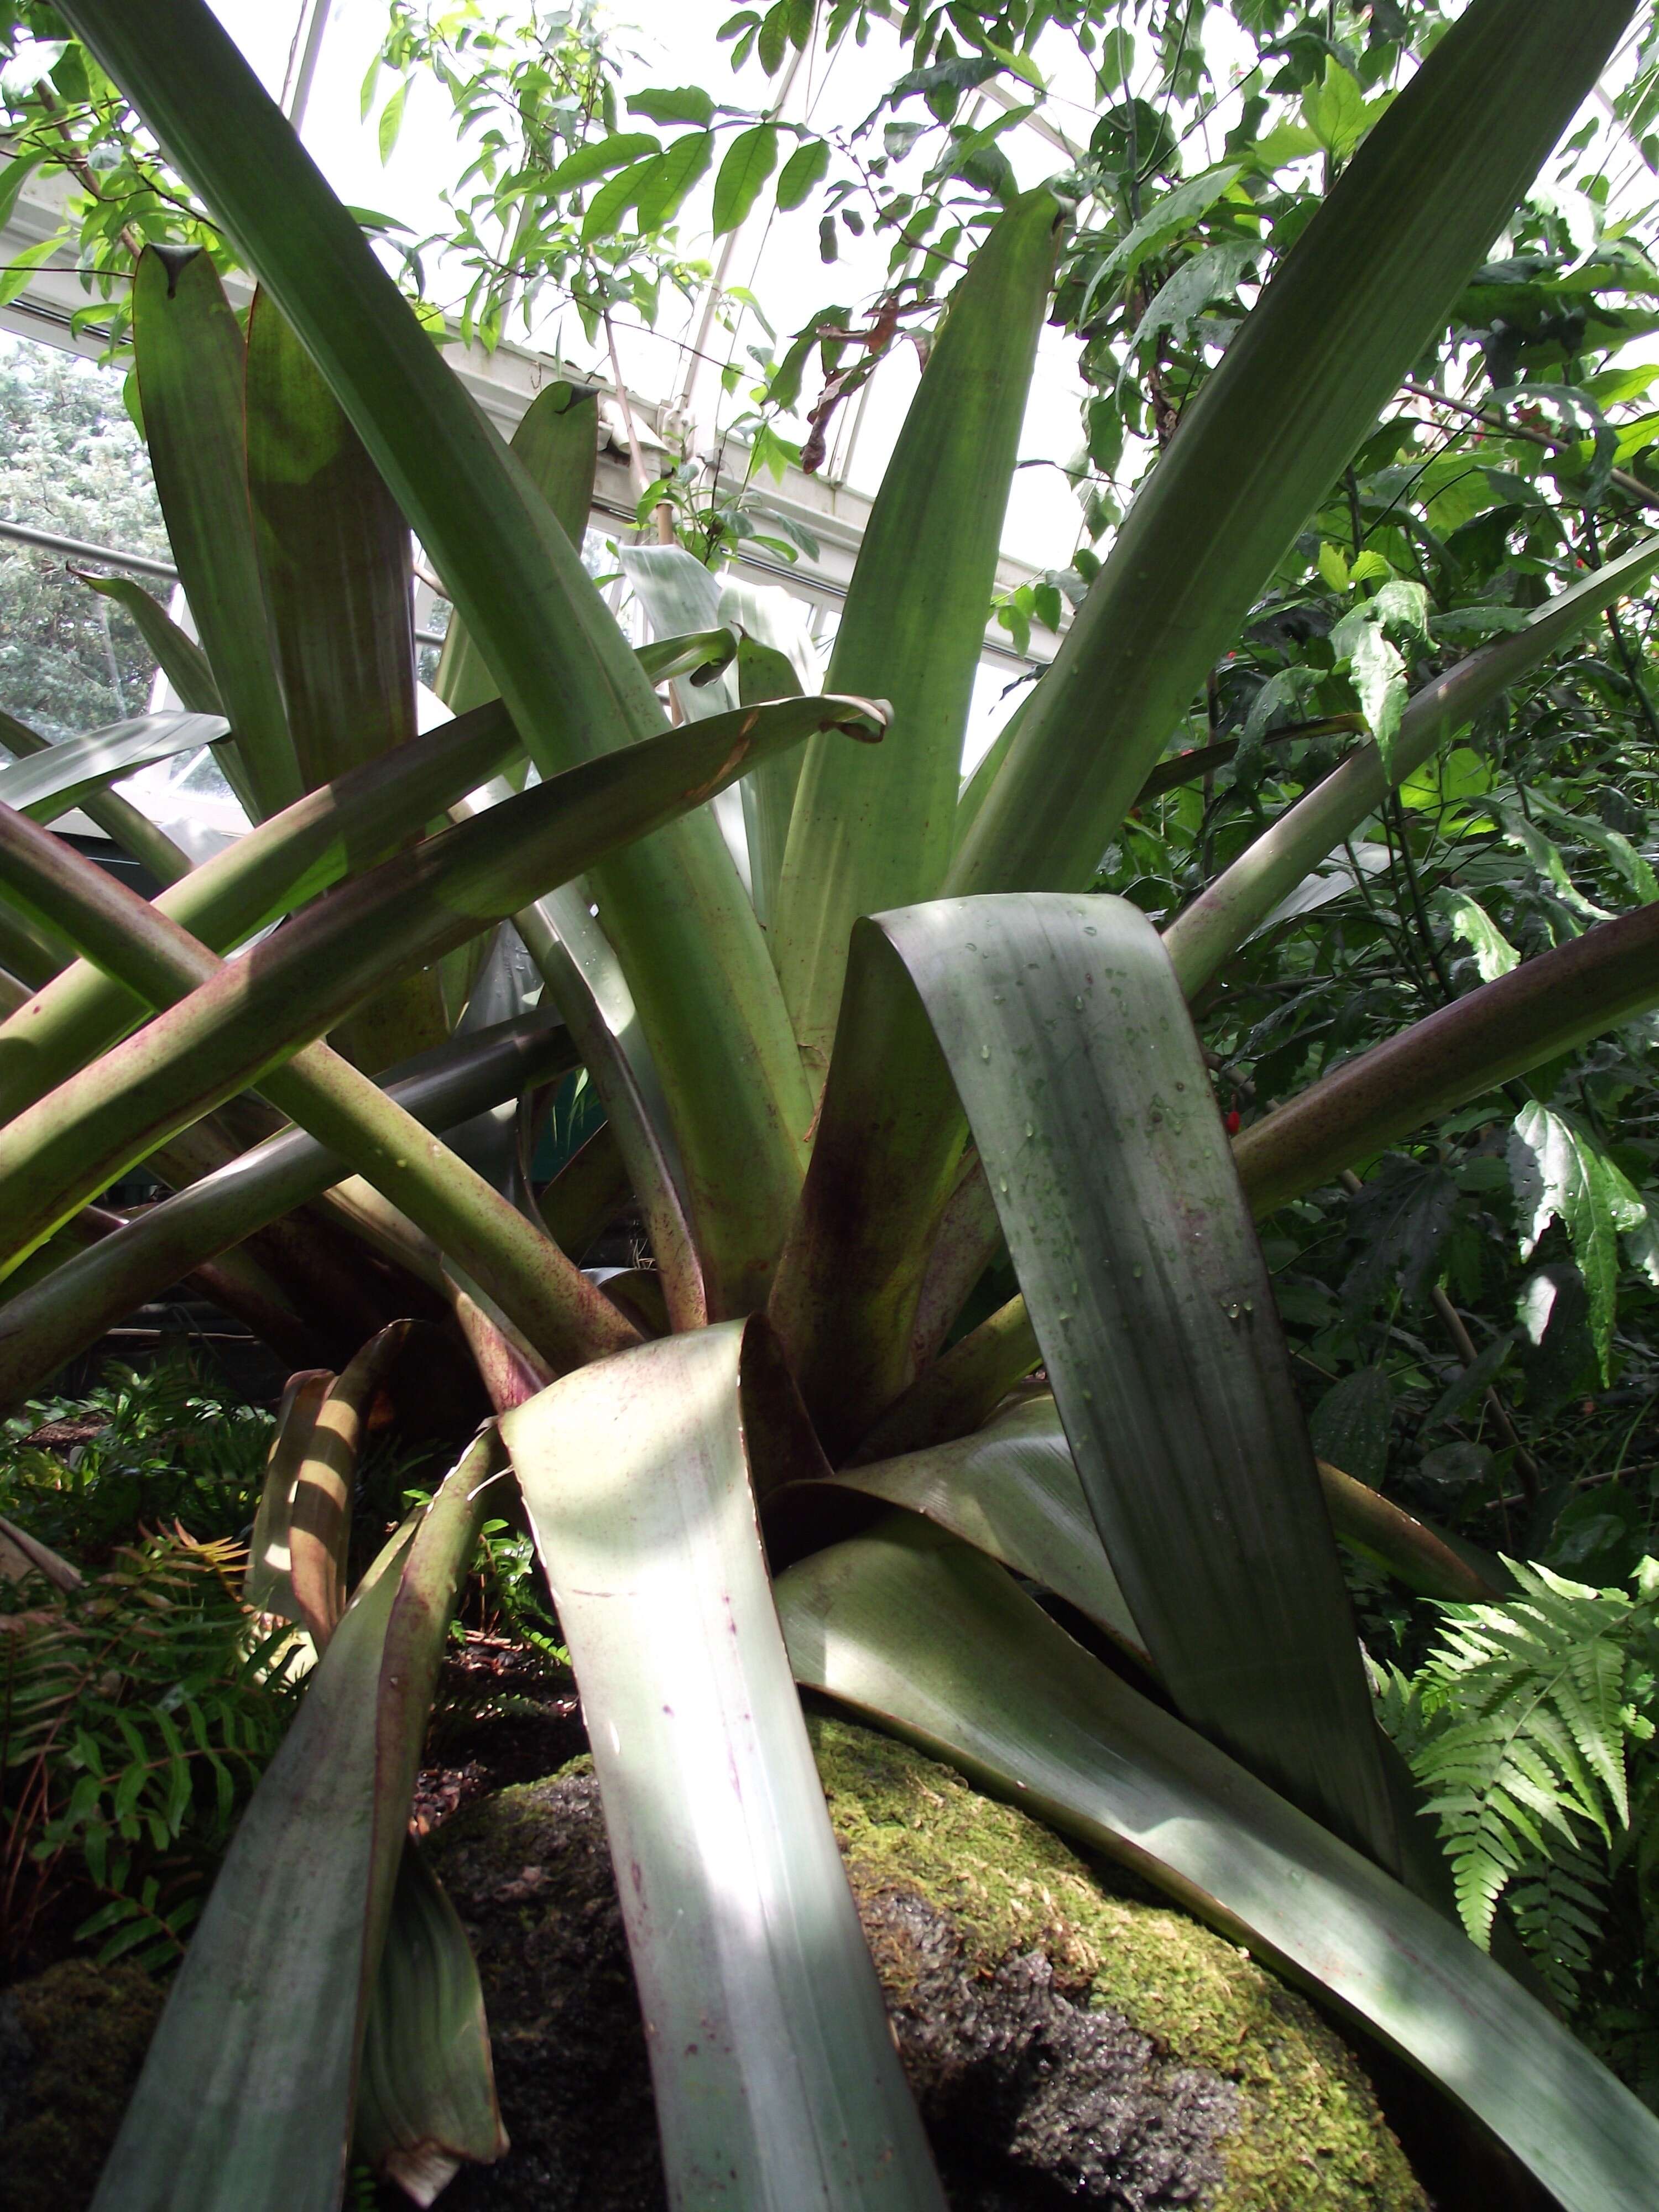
[(615, 150), (671, 177), (392, 122), (613, 200), (1378, 671), (686, 103), (748, 162), (1494, 955), (807, 167), (1559, 1172)]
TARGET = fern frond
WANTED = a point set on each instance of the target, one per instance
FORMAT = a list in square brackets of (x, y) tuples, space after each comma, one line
[(1516, 1730)]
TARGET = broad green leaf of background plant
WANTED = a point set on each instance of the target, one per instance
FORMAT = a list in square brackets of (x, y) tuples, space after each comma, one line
[(806, 168), (777, 2083), (1337, 112), (1559, 1172), (1494, 956), (936, 1642), (749, 160)]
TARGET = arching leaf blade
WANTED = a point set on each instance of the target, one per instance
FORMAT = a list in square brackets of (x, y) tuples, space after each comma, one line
[(328, 835), (1343, 319), (866, 835), (676, 914), (777, 2083), (189, 357), (247, 2104), (1071, 1051), (47, 1323), (49, 784), (934, 1641), (242, 1022), (1223, 914)]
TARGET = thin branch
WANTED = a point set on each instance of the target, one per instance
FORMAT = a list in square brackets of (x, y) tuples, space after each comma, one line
[(1631, 485)]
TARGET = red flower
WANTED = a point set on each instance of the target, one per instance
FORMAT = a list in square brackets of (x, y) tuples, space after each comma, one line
[(1235, 1122)]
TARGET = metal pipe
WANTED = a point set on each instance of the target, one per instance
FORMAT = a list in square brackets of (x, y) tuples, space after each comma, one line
[(145, 563)]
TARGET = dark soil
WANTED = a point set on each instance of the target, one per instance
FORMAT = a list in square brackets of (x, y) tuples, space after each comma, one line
[(502, 1714)]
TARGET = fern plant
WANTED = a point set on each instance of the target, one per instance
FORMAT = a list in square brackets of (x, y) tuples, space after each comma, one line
[(1523, 1728), (136, 1713), (141, 1449)]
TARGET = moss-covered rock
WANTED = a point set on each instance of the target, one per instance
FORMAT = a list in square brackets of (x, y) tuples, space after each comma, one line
[(1069, 2040), (72, 2041)]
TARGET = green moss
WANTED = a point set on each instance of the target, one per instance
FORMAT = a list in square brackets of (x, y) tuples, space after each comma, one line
[(1311, 2136), (71, 2045)]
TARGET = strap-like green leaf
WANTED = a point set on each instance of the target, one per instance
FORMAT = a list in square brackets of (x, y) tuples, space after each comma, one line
[(150, 1079), (50, 1321), (585, 979), (329, 834), (557, 439), (1010, 1490), (118, 819), (245, 1020), (676, 913), (426, 2086), (878, 832), (777, 2084), (182, 660), (1548, 1005), (1074, 1057), (1369, 281), (268, 1586), (246, 2104), (189, 358), (49, 784), (935, 1641), (335, 556), (775, 660)]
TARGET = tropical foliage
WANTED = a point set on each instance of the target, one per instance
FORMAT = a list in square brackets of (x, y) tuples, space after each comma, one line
[(1523, 1727), (916, 1106)]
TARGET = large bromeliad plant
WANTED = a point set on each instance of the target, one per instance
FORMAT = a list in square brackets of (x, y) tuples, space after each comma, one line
[(836, 1092)]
